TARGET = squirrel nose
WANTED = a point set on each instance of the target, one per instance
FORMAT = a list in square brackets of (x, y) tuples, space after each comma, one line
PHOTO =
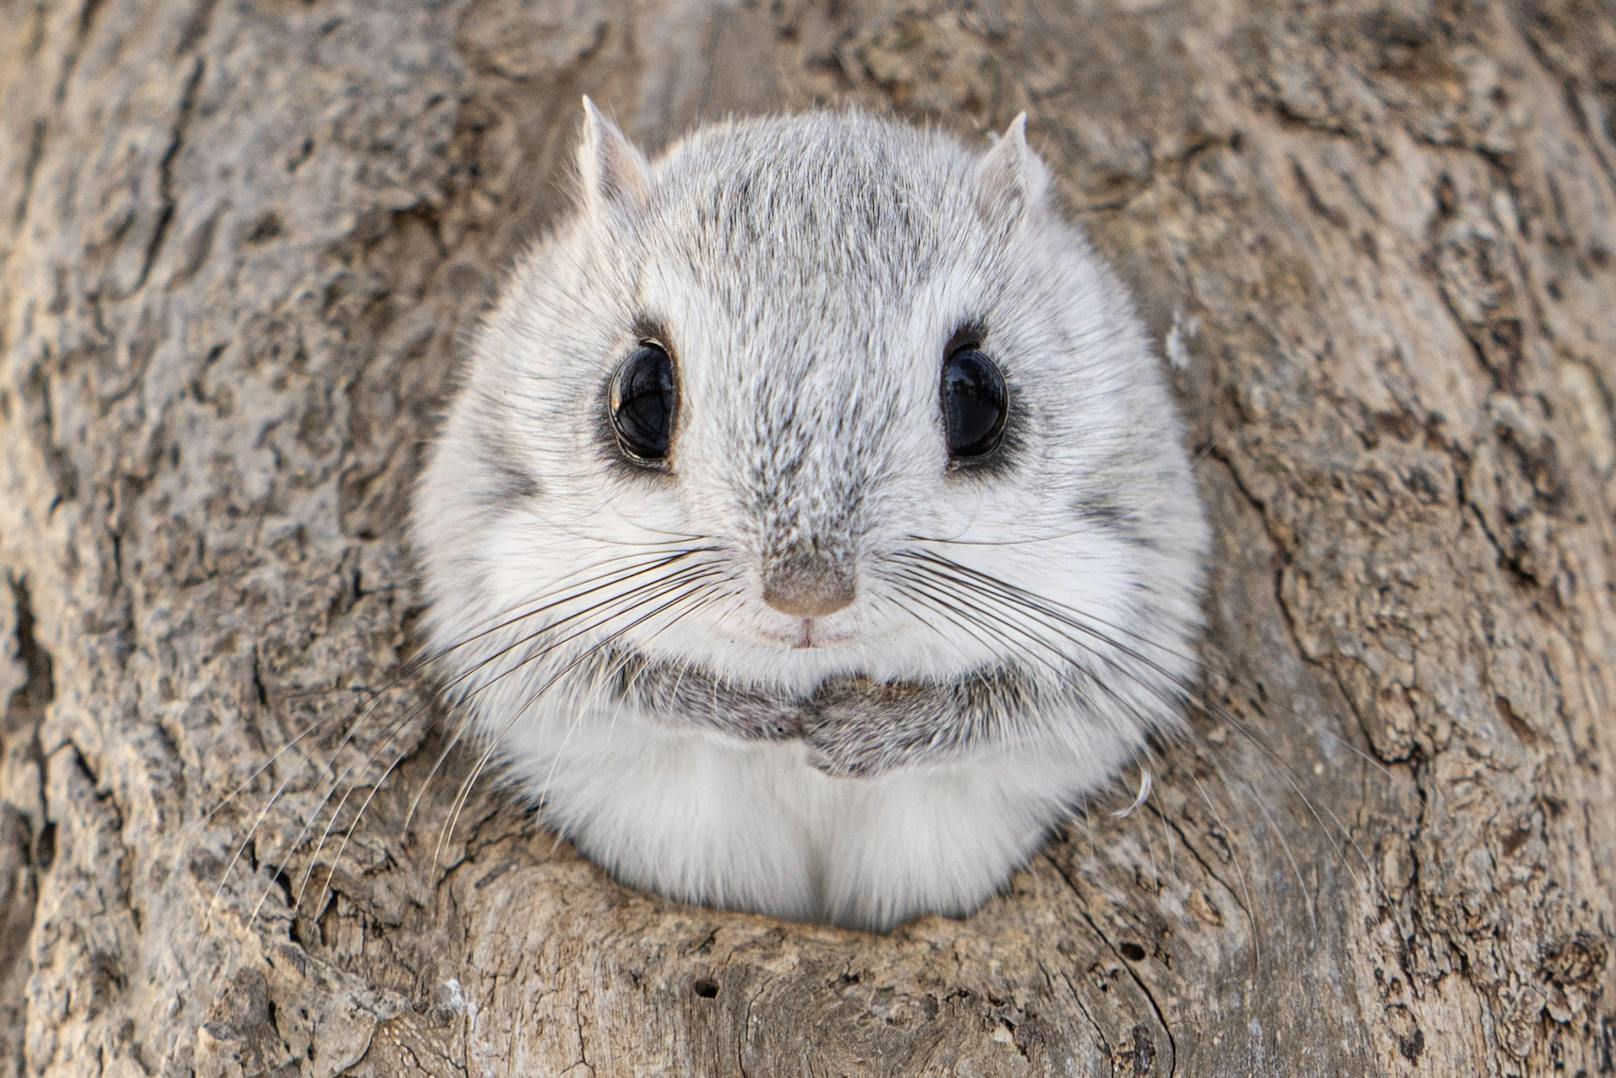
[(808, 587)]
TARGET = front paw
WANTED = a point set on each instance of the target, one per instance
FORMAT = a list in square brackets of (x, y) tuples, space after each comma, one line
[(853, 729), (763, 719)]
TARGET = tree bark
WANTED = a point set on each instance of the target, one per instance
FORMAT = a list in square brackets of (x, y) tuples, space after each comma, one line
[(241, 240)]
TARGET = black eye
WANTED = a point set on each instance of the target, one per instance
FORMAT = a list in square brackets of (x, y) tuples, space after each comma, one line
[(643, 401), (975, 403)]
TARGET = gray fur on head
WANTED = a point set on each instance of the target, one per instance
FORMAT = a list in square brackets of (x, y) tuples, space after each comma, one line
[(810, 665)]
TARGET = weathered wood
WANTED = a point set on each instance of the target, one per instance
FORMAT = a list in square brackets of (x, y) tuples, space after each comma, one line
[(240, 238)]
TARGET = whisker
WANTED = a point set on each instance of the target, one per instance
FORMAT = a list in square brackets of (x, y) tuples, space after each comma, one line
[(465, 724), (1245, 882), (605, 580), (652, 585), (1284, 844), (617, 665), (460, 799), (914, 616), (242, 848), (1140, 720), (409, 669), (913, 537), (1097, 620), (723, 594), (1010, 593), (636, 571), (398, 726), (939, 598)]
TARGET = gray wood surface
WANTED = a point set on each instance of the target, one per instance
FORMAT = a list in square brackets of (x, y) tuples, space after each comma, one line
[(238, 242)]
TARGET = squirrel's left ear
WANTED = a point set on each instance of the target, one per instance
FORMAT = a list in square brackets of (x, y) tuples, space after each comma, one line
[(610, 170), (1011, 179)]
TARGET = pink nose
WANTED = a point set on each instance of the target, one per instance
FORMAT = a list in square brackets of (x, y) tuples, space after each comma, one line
[(809, 598), (808, 584)]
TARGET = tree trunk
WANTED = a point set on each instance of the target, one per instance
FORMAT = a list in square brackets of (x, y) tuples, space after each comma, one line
[(240, 243)]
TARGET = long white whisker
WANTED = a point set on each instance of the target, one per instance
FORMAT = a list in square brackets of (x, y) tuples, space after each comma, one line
[(465, 724), (493, 745), (602, 677), (411, 667), (984, 584), (615, 577), (1032, 603)]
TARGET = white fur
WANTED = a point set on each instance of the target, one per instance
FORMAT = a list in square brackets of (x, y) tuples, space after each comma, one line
[(793, 306)]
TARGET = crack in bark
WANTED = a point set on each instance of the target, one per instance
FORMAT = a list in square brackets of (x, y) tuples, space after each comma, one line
[(23, 714), (1077, 1000), (167, 200), (36, 146), (1508, 562), (1292, 629), (1122, 962), (1206, 866), (36, 153), (1569, 97)]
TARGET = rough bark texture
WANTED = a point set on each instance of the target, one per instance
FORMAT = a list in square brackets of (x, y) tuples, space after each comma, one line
[(240, 240)]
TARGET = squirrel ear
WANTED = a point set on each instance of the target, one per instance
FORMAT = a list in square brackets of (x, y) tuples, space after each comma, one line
[(611, 170), (1010, 178)]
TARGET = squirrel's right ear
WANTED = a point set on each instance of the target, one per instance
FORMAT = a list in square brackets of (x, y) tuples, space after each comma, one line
[(1011, 178), (611, 171)]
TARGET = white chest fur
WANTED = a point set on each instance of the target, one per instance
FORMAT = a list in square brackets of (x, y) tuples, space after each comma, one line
[(753, 826)]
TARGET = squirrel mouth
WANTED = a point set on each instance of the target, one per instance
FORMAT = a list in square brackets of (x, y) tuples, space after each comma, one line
[(809, 635)]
